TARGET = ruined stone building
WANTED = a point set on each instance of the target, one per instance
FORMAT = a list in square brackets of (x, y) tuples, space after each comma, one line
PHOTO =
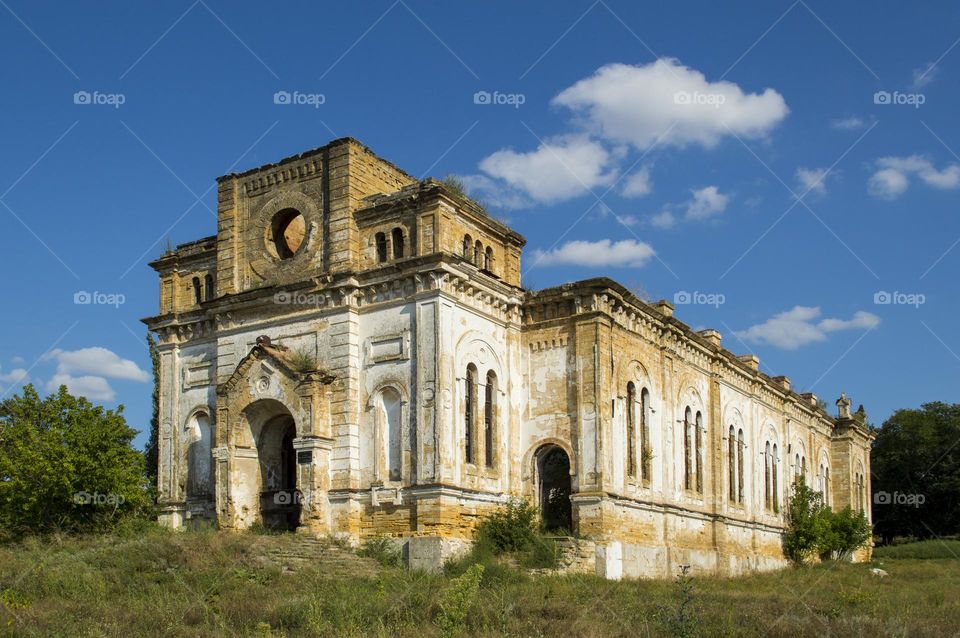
[(353, 354)]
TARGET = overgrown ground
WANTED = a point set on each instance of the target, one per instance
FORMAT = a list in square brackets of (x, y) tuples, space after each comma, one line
[(157, 583)]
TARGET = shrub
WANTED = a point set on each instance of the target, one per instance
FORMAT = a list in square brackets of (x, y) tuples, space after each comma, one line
[(456, 601), (513, 528), (813, 529), (847, 531), (383, 550)]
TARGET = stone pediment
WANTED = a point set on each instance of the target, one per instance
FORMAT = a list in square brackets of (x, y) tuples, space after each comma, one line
[(279, 357)]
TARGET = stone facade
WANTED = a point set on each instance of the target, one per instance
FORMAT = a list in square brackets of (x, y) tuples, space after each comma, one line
[(353, 355)]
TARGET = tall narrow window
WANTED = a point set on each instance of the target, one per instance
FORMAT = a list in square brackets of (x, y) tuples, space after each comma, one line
[(740, 466), (489, 417), (766, 476), (488, 259), (467, 248), (478, 254), (392, 435), (698, 435), (197, 293), (208, 292), (381, 247), (645, 434), (826, 485), (470, 398), (199, 459), (774, 471), (687, 427), (631, 430), (803, 467), (397, 237), (732, 465)]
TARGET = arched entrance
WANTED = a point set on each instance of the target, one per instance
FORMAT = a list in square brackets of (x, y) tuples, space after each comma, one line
[(279, 496), (553, 488)]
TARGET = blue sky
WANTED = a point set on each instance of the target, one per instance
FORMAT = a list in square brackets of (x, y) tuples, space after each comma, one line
[(779, 165)]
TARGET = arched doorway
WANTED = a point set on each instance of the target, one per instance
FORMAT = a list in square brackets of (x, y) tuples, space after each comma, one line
[(279, 496), (553, 488)]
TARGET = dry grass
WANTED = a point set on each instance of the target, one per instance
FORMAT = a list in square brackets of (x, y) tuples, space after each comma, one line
[(157, 583)]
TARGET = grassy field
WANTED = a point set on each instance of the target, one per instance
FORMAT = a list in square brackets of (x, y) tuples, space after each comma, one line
[(157, 583)]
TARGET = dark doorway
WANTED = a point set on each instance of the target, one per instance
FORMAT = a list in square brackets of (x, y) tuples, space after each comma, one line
[(553, 470), (280, 500)]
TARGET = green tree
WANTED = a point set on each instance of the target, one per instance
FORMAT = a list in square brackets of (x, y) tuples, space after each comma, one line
[(66, 465), (807, 524), (915, 464), (846, 531), (152, 450)]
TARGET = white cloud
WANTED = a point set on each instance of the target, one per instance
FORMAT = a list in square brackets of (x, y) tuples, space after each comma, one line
[(98, 361), (638, 184), (494, 194), (668, 103), (812, 180), (93, 387), (605, 252), (799, 326), (561, 168), (851, 123), (15, 376), (892, 177), (18, 360), (707, 202), (924, 75), (664, 219)]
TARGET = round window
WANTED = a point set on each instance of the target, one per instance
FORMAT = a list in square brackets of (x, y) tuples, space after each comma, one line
[(288, 230)]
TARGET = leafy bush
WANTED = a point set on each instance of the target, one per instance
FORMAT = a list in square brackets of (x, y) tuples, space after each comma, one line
[(383, 550), (67, 466), (513, 528), (456, 601), (813, 529)]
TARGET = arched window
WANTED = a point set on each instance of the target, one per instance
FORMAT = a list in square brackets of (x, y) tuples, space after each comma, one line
[(197, 294), (687, 435), (199, 456), (489, 417), (488, 259), (208, 287), (644, 434), (740, 466), (796, 467), (698, 436), (826, 485), (470, 397), (631, 429), (803, 467), (467, 248), (732, 465), (774, 472), (397, 237), (478, 254), (766, 477), (381, 239), (392, 437)]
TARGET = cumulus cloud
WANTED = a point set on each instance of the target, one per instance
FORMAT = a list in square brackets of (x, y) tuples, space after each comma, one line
[(605, 252), (638, 183), (559, 169), (670, 104), (98, 361), (93, 387), (706, 202), (851, 123), (802, 325), (664, 219), (493, 194), (892, 177), (812, 180), (15, 376)]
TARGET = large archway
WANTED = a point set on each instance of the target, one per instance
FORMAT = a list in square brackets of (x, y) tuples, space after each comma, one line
[(553, 488), (280, 498)]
